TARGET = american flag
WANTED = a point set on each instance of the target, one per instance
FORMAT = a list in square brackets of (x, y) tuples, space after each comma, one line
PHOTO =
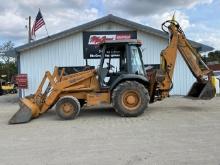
[(39, 22)]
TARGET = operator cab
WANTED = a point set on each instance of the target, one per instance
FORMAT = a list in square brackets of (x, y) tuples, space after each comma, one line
[(119, 57)]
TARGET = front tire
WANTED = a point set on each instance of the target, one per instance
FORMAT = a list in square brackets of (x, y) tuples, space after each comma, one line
[(130, 99), (68, 108)]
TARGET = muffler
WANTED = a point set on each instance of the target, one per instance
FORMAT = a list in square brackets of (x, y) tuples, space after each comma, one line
[(26, 112), (202, 90)]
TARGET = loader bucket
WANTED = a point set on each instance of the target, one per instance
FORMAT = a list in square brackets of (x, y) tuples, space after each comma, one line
[(27, 111), (203, 91)]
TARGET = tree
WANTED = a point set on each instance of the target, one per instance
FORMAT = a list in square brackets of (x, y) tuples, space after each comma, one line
[(8, 65), (212, 56)]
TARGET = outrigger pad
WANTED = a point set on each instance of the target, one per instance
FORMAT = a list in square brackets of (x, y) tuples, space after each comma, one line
[(203, 91), (23, 115)]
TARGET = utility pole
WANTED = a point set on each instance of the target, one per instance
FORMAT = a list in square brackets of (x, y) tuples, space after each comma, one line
[(29, 29)]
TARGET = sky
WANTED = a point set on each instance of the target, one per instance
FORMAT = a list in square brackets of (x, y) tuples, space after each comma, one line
[(198, 18)]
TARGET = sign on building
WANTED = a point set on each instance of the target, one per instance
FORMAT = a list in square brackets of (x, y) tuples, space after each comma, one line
[(21, 81), (92, 39)]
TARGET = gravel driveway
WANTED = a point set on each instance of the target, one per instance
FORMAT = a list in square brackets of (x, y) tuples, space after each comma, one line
[(173, 131)]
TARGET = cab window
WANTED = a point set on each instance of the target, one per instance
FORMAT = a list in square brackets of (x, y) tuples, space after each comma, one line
[(136, 63)]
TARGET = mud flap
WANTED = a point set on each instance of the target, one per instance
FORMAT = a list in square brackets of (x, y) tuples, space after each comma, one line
[(23, 115), (202, 91)]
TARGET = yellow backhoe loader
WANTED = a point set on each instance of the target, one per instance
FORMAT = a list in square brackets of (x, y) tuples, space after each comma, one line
[(126, 87)]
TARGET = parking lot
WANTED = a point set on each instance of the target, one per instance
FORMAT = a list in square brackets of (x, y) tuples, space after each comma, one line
[(173, 131)]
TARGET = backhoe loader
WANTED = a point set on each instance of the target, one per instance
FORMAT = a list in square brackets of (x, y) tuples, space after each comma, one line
[(120, 80)]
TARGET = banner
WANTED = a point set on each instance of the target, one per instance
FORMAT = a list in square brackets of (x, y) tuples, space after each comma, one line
[(92, 39)]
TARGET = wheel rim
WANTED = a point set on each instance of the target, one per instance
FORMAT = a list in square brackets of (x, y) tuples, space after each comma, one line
[(131, 100), (67, 108)]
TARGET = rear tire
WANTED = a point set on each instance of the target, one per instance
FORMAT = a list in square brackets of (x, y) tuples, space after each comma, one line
[(130, 99), (68, 108)]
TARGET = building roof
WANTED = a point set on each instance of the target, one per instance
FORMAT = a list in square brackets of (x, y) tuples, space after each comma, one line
[(214, 67), (108, 18)]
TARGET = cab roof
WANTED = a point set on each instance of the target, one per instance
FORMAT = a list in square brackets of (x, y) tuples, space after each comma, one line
[(118, 42)]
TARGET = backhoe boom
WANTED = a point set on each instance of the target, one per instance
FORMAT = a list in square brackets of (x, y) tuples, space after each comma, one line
[(203, 88)]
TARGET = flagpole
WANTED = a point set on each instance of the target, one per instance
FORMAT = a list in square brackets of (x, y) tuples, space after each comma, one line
[(29, 29)]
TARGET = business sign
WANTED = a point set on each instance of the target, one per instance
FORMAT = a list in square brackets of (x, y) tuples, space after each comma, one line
[(91, 41), (22, 81)]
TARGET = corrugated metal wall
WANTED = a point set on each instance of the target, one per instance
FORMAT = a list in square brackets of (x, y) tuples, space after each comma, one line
[(183, 78), (69, 52), (64, 52)]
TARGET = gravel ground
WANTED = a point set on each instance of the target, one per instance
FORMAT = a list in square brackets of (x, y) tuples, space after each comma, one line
[(173, 131)]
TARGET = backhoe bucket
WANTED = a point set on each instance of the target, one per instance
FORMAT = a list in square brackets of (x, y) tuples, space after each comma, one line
[(27, 111), (202, 91)]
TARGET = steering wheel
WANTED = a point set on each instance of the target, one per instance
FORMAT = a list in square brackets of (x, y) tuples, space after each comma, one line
[(165, 26), (110, 66)]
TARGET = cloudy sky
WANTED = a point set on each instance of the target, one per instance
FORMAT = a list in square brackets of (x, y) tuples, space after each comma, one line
[(199, 18)]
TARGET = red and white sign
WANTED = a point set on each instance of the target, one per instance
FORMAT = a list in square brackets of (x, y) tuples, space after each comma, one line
[(92, 39), (96, 39), (22, 81), (123, 36)]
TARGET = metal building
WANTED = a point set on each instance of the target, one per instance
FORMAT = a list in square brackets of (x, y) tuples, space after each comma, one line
[(66, 49)]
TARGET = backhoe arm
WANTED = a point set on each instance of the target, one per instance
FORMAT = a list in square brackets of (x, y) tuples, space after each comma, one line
[(167, 64), (203, 88), (192, 59)]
